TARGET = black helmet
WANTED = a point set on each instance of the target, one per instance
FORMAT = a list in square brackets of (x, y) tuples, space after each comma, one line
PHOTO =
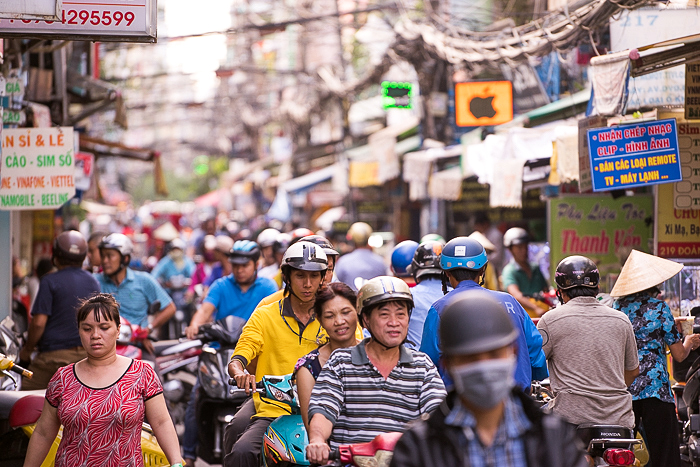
[(576, 271), (323, 242), (70, 247), (244, 251), (426, 259), (515, 236), (475, 321)]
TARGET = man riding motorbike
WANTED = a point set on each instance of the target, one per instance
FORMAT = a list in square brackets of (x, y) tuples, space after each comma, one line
[(277, 335), (590, 348), (134, 290), (378, 386)]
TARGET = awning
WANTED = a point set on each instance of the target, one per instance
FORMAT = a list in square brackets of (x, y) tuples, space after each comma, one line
[(682, 50), (308, 180)]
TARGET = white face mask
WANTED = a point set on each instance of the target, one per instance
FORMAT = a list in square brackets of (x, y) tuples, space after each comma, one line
[(485, 383)]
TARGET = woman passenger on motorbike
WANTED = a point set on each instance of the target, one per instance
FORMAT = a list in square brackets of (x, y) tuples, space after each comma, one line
[(101, 401), (335, 309), (636, 290)]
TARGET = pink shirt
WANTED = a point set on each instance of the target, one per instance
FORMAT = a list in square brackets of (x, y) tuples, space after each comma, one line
[(102, 426)]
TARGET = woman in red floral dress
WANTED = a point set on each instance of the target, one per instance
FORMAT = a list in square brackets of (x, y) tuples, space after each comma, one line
[(101, 401)]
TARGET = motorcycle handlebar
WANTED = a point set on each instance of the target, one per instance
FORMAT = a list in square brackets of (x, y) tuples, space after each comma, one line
[(259, 387), (21, 370)]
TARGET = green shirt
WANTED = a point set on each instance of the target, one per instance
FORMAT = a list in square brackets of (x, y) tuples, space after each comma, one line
[(529, 286)]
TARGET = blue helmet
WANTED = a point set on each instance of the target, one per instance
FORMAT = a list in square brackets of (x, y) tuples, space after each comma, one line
[(244, 251), (401, 257), (463, 253)]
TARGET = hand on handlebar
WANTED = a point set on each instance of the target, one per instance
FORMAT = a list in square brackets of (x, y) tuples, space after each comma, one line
[(245, 381), (192, 331), (318, 453)]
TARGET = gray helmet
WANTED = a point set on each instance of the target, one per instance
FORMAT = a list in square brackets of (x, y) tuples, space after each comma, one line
[(475, 321)]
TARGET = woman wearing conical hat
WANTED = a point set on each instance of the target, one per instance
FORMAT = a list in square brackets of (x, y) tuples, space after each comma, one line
[(636, 290)]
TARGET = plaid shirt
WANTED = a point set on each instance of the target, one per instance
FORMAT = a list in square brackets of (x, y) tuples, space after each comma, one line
[(507, 449)]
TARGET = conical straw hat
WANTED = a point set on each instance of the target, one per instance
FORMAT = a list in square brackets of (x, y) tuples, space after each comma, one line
[(481, 238), (166, 232), (643, 271)]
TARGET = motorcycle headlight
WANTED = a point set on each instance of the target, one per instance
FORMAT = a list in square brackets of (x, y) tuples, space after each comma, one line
[(210, 379), (124, 334)]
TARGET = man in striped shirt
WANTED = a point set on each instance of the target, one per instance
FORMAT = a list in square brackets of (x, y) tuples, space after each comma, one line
[(378, 386)]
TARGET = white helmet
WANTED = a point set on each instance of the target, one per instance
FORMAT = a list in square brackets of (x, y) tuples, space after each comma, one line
[(267, 237), (305, 256)]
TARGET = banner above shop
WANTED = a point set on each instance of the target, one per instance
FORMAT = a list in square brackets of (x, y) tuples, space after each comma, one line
[(601, 228), (38, 168), (629, 156), (30, 9), (677, 230), (115, 20)]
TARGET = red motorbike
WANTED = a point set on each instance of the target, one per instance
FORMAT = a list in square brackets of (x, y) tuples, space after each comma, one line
[(375, 453)]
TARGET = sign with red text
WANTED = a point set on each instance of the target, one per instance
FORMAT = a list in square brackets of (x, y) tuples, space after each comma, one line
[(677, 230), (639, 154), (37, 168), (109, 20), (601, 228)]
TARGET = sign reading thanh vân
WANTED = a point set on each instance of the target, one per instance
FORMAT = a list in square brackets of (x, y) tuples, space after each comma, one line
[(37, 169)]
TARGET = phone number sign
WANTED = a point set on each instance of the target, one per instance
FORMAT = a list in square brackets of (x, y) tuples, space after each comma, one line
[(111, 20), (629, 156)]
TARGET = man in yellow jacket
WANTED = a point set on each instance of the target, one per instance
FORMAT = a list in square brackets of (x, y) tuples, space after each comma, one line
[(277, 334)]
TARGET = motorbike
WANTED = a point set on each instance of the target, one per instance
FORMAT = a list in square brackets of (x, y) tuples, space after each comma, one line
[(376, 453), (11, 339), (285, 440), (545, 301), (606, 445), (688, 407), (216, 404)]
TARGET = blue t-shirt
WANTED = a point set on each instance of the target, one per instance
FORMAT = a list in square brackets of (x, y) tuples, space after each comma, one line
[(135, 294), (58, 298), (361, 263), (654, 329), (228, 298), (166, 269), (531, 362), (425, 293)]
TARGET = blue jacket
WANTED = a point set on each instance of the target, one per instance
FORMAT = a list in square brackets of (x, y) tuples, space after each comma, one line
[(425, 293), (532, 363)]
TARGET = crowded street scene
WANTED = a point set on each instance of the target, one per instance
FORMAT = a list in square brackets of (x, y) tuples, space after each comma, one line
[(299, 233)]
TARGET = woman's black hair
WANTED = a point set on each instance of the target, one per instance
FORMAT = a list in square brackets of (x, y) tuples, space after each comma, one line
[(104, 305), (329, 292)]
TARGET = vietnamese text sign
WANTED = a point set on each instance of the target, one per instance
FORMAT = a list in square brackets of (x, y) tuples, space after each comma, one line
[(110, 20), (692, 91), (628, 156), (599, 227), (37, 170), (686, 194), (677, 230)]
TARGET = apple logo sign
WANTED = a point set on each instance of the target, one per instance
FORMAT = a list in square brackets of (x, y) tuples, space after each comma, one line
[(482, 107)]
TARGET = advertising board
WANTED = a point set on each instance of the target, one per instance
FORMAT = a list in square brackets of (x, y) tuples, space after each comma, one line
[(30, 9), (37, 169), (601, 228), (634, 155), (109, 20)]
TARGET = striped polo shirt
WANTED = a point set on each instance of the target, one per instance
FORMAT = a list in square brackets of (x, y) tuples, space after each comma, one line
[(352, 394)]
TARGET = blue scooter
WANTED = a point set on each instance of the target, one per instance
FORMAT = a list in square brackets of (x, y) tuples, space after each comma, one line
[(285, 440)]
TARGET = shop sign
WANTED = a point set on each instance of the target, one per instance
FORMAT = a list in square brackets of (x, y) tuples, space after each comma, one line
[(38, 168), (13, 117), (677, 230), (480, 103), (629, 156), (585, 185), (599, 227), (686, 193), (14, 87), (30, 9), (111, 20), (692, 91)]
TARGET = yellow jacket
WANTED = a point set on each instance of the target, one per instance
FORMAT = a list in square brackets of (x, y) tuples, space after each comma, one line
[(272, 298), (278, 342)]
